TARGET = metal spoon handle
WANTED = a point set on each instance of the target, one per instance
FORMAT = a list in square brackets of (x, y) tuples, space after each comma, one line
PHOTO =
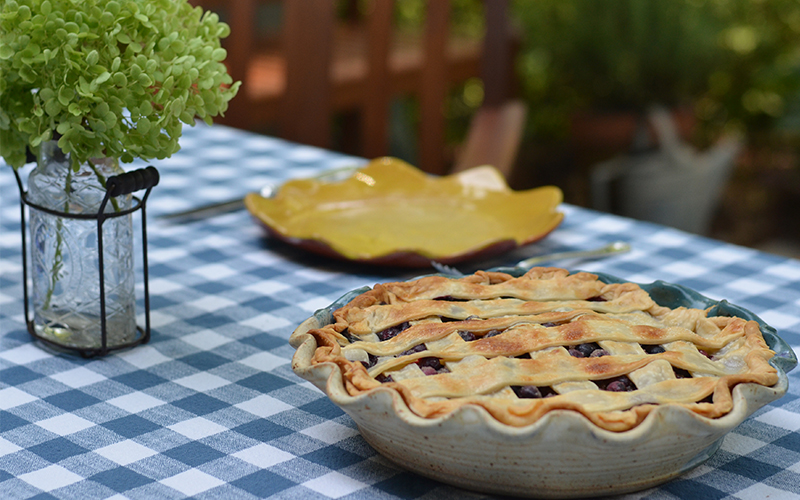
[(610, 249)]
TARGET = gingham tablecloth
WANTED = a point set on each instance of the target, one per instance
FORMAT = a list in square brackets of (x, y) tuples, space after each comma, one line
[(210, 407)]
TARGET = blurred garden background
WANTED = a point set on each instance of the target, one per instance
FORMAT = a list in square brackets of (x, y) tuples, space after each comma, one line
[(590, 72), (725, 66)]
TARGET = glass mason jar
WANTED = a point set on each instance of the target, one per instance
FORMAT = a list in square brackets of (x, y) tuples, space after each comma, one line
[(64, 253)]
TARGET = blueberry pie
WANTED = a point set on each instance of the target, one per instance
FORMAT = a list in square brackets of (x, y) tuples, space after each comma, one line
[(548, 340)]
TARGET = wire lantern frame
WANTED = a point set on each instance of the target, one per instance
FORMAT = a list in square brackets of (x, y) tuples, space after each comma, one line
[(118, 185)]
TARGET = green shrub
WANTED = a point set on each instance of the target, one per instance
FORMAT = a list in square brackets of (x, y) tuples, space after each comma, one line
[(735, 61), (109, 78)]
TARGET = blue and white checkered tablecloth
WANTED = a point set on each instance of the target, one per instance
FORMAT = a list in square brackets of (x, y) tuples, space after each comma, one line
[(210, 408)]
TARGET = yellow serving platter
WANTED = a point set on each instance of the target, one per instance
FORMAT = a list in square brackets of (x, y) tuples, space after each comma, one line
[(389, 212)]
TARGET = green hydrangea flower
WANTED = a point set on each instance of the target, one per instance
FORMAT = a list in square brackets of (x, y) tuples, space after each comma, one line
[(111, 78)]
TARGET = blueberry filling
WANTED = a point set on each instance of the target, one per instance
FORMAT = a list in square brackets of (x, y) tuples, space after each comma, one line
[(415, 349), (373, 360), (549, 324), (527, 391), (450, 298), (393, 331), (427, 370), (384, 378), (467, 336), (492, 333), (681, 373), (596, 299), (533, 392), (577, 353), (618, 384), (432, 366), (430, 362), (705, 353), (587, 350), (653, 349), (349, 336), (548, 392)]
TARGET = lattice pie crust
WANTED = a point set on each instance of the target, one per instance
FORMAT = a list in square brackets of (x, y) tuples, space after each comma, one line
[(548, 340)]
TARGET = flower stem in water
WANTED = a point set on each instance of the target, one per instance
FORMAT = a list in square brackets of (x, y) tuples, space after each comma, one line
[(58, 260)]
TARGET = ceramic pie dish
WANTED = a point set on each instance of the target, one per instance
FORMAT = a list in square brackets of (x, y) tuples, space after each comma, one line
[(391, 213), (567, 440)]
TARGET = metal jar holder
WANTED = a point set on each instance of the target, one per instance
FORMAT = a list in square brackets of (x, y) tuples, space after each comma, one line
[(118, 185)]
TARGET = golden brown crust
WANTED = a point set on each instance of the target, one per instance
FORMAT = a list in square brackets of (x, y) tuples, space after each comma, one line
[(477, 340)]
